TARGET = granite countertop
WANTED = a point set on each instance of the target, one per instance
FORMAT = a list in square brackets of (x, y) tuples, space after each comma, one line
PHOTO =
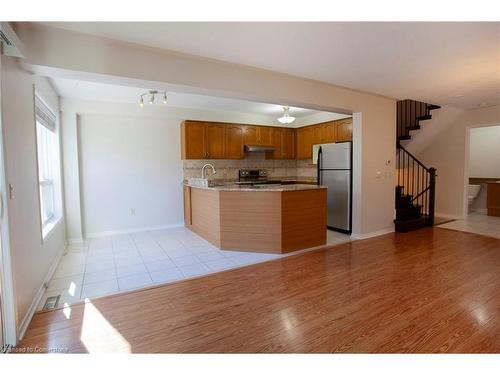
[(233, 187)]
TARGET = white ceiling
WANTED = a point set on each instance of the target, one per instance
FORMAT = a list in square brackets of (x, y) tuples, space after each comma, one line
[(442, 63), (92, 91)]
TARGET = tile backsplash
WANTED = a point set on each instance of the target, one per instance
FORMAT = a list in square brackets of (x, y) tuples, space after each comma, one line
[(228, 169)]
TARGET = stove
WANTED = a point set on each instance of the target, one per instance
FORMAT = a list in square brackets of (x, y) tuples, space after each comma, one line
[(254, 177)]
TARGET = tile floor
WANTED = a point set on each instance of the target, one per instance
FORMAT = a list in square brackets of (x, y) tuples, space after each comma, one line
[(476, 223), (108, 265)]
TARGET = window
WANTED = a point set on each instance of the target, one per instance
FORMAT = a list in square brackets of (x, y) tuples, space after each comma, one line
[(48, 166)]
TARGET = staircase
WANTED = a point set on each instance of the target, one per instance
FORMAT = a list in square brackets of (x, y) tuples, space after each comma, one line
[(416, 183)]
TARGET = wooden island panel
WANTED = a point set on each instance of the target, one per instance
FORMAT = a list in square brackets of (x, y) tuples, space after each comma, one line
[(261, 221), (205, 217), (251, 220), (304, 217)]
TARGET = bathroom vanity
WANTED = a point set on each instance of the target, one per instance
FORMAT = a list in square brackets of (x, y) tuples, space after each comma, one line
[(493, 198)]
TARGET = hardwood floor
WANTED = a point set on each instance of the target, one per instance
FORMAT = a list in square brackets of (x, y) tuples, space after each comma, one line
[(431, 290)]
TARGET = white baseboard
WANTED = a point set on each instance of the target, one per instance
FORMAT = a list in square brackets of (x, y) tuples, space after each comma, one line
[(480, 210), (133, 230), (364, 236), (39, 294)]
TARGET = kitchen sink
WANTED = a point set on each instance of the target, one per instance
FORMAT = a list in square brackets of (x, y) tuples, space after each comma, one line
[(196, 181)]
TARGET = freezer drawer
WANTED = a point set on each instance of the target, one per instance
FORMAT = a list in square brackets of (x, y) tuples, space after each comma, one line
[(339, 190)]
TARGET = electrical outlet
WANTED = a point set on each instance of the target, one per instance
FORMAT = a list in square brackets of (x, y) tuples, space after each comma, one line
[(132, 211)]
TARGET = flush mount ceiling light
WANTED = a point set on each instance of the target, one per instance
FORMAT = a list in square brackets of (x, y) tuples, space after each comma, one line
[(151, 94), (286, 118)]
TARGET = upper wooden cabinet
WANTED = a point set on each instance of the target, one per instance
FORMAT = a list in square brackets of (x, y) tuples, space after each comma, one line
[(283, 141), (304, 142), (234, 142), (213, 140), (202, 140), (344, 130), (257, 135), (215, 135), (193, 141)]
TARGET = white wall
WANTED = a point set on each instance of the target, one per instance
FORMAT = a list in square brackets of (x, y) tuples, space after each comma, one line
[(56, 52), (129, 164), (484, 159), (32, 258)]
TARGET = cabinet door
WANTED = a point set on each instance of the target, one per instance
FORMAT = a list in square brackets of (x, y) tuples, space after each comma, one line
[(287, 144), (215, 137), (193, 140), (328, 132), (304, 143), (234, 142), (265, 134), (251, 135), (276, 141), (344, 130), (317, 131)]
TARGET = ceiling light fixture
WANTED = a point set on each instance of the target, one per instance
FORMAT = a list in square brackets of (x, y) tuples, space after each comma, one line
[(152, 94), (286, 118)]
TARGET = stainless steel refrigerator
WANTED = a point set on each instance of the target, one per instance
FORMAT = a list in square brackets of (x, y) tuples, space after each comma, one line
[(334, 162)]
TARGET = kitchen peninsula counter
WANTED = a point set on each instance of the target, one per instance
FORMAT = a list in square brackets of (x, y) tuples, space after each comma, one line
[(272, 218)]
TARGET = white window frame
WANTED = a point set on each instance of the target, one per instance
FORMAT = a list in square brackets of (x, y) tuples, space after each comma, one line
[(46, 117)]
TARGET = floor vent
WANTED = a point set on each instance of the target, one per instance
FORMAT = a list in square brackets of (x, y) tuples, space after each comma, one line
[(51, 302)]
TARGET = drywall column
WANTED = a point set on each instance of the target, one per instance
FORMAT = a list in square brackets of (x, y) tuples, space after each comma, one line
[(71, 177)]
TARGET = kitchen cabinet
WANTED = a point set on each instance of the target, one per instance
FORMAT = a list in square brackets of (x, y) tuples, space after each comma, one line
[(215, 141), (202, 140), (344, 130), (324, 133), (257, 135), (234, 142), (288, 143), (328, 132), (193, 140), (283, 141), (304, 142)]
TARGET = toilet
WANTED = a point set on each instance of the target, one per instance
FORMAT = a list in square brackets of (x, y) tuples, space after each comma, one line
[(473, 192)]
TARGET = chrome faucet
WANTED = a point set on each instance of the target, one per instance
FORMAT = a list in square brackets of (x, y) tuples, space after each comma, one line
[(203, 169)]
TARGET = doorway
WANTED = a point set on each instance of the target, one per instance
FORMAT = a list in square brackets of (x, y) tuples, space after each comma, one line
[(482, 182)]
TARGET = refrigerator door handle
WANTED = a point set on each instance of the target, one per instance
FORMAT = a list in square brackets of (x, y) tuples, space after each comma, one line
[(320, 152)]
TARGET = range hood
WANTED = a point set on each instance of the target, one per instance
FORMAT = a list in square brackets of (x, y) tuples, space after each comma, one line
[(259, 148)]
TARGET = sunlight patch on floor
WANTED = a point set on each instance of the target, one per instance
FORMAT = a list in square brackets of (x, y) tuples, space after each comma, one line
[(98, 335)]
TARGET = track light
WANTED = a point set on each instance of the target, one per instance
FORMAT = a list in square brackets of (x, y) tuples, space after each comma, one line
[(151, 99)]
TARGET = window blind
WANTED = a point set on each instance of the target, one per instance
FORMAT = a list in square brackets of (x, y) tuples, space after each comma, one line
[(44, 115)]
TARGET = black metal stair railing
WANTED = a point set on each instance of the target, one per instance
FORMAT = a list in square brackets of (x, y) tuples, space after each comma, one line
[(416, 183)]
